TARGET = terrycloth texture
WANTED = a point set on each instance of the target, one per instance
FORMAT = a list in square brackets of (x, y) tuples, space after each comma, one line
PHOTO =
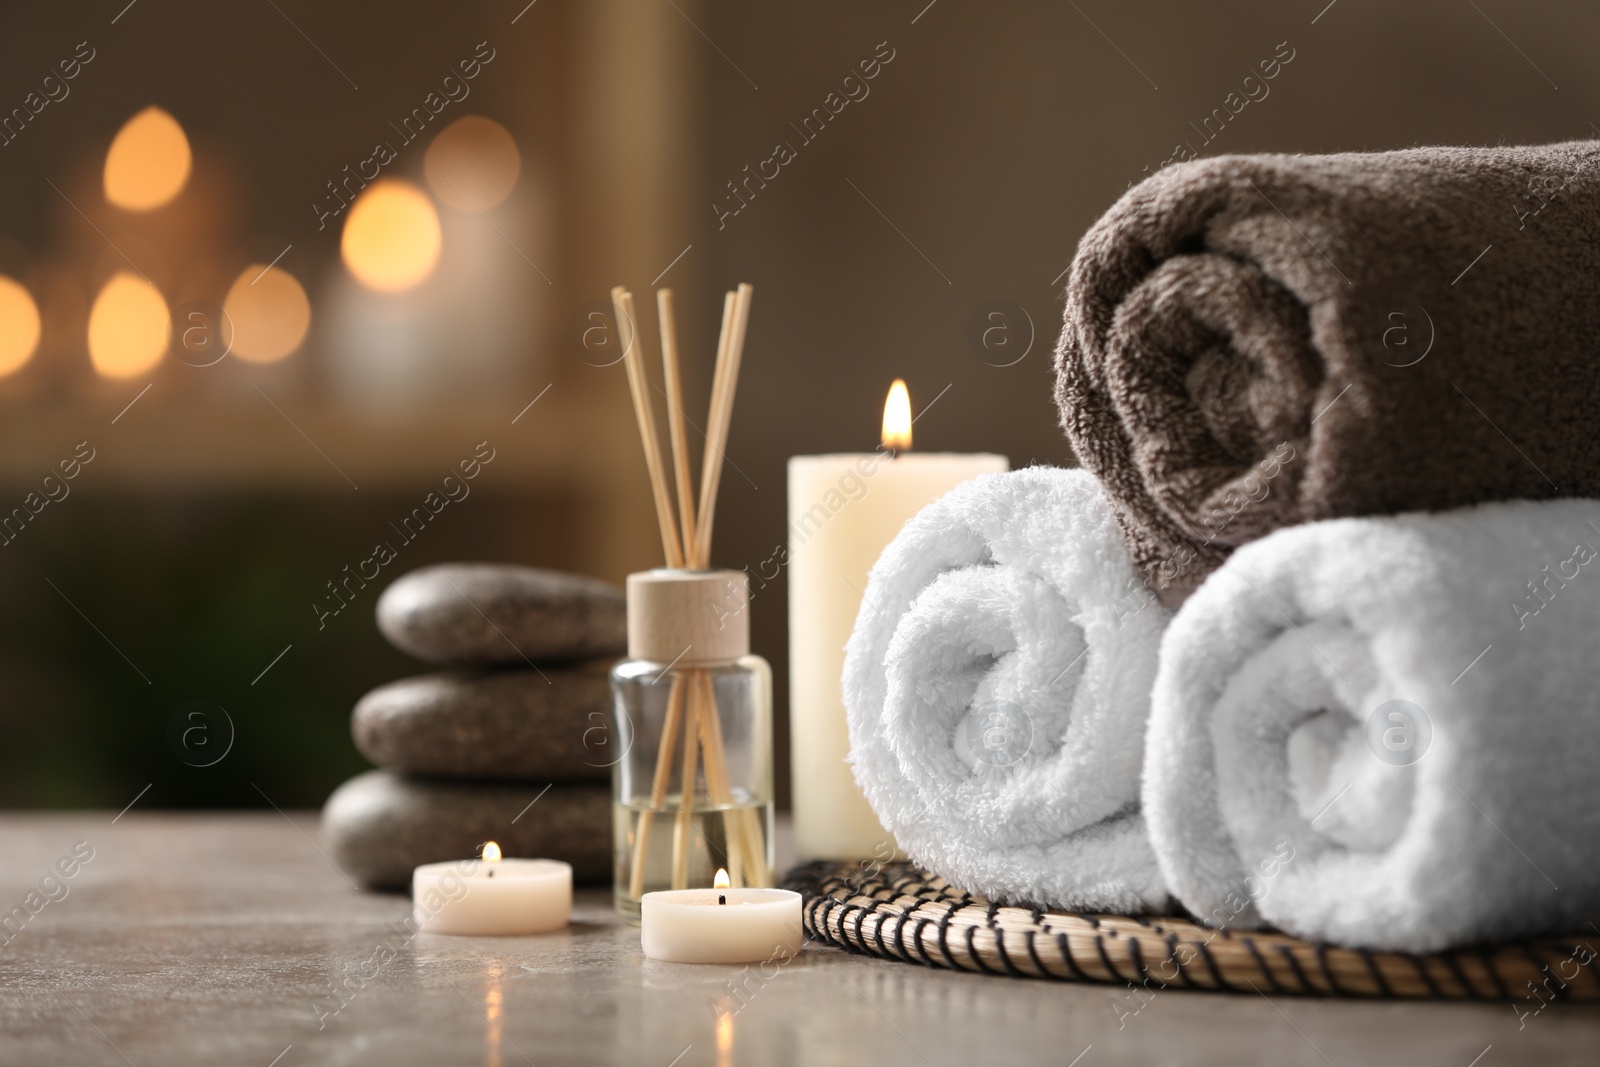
[(998, 683), (1280, 769), (1253, 342)]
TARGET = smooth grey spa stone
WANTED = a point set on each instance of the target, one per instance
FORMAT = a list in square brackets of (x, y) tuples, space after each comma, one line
[(552, 724), (486, 613), (381, 825)]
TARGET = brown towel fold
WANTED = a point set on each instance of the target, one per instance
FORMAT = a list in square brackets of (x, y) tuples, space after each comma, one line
[(1257, 341)]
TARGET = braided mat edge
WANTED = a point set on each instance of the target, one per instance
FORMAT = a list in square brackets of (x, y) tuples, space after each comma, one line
[(898, 912)]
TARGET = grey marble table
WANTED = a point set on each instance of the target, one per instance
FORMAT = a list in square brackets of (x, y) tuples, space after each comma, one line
[(223, 938)]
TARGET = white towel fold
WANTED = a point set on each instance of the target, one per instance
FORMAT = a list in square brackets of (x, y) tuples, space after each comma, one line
[(1385, 732), (998, 682)]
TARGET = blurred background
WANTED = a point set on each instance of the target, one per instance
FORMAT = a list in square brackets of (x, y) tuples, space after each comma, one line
[(267, 271)]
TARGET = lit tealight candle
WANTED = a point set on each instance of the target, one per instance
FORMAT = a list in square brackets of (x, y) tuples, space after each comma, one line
[(492, 895), (720, 925)]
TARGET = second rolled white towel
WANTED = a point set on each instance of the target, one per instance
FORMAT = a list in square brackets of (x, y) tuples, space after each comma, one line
[(1385, 732), (998, 683)]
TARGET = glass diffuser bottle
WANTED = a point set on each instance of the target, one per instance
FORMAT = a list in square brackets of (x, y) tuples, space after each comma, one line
[(692, 793)]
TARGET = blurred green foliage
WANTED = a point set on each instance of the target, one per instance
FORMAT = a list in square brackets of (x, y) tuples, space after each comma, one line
[(198, 594)]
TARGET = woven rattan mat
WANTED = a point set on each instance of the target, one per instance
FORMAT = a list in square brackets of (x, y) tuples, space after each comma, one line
[(898, 912)]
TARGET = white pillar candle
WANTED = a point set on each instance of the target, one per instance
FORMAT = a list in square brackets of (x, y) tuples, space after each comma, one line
[(492, 895), (720, 925), (843, 511)]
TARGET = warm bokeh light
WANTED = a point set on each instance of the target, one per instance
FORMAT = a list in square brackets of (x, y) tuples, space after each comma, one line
[(391, 236), (19, 325), (269, 312), (148, 163), (473, 164), (128, 327), (897, 418), (491, 852), (724, 1038), (493, 1005)]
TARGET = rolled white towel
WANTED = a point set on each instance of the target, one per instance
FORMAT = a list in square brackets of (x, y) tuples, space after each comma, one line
[(1385, 732), (998, 681)]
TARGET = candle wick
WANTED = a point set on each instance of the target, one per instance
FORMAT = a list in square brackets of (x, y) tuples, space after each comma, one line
[(721, 899), (491, 872)]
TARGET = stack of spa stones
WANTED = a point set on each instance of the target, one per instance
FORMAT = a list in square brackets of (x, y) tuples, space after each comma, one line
[(512, 743)]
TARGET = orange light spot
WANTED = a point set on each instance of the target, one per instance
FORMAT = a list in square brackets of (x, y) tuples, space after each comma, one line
[(473, 164), (148, 163), (19, 325), (129, 327), (391, 236), (269, 312)]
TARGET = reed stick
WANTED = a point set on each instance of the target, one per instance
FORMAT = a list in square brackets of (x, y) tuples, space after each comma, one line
[(691, 702), (676, 430), (643, 409), (644, 412), (727, 378), (717, 773), (658, 786), (680, 830), (710, 457), (746, 843), (749, 830)]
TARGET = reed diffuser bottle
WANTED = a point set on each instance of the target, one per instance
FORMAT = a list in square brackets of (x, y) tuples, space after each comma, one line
[(693, 793)]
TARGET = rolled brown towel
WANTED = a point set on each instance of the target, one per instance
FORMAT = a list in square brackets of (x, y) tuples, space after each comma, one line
[(1253, 342)]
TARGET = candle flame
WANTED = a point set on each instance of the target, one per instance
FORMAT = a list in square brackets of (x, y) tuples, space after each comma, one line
[(721, 880), (897, 418), (491, 852)]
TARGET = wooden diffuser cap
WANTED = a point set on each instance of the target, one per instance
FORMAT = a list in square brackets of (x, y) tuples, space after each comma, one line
[(691, 618)]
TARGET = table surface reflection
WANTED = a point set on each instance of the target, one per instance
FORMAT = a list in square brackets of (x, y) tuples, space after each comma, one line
[(230, 939)]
